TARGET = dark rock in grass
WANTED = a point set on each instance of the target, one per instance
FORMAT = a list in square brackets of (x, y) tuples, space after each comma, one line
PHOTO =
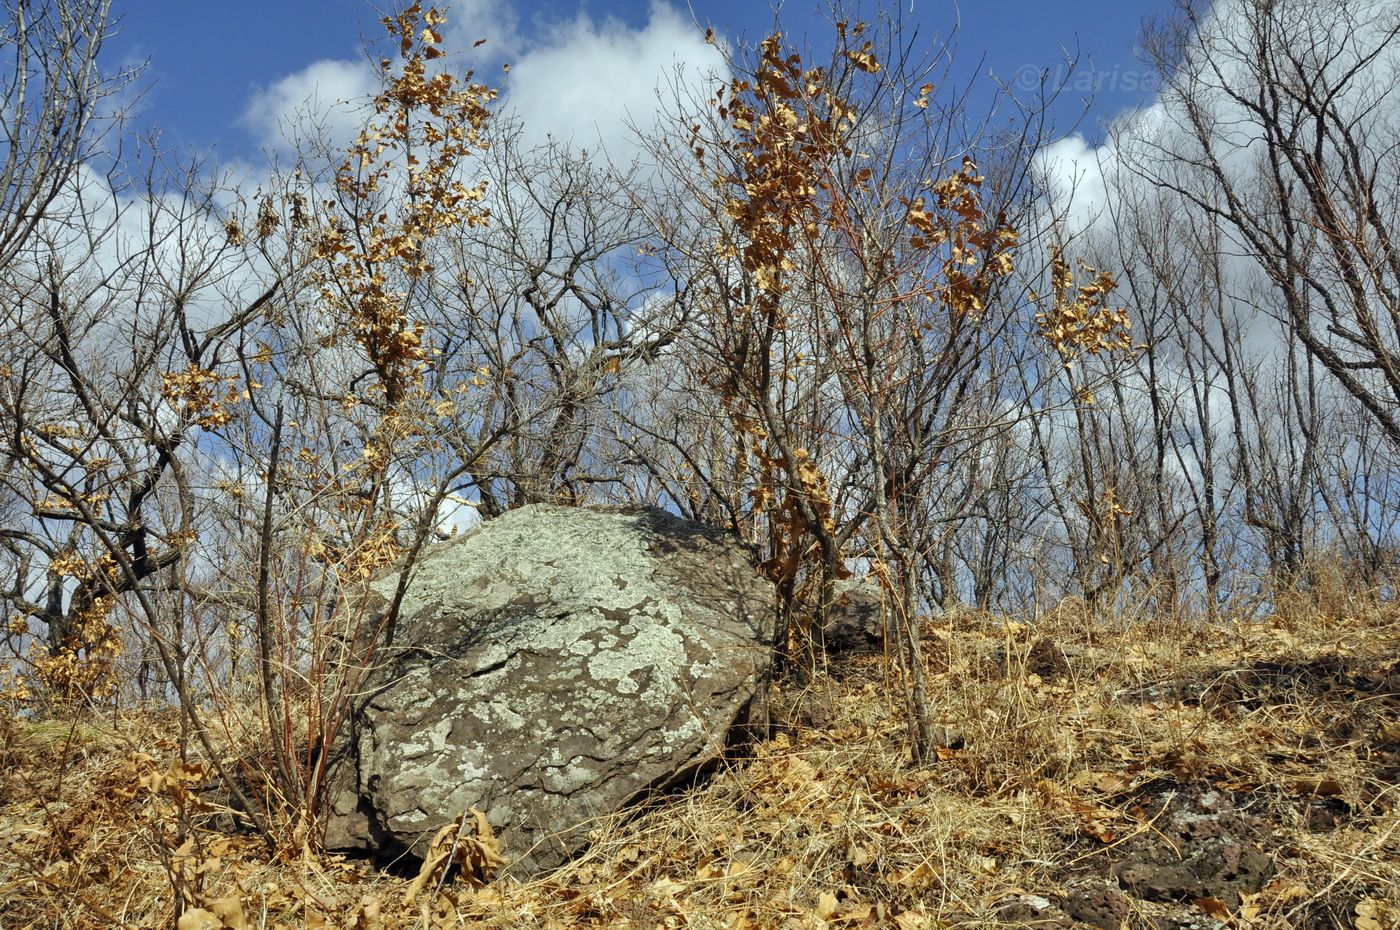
[(1097, 904), (1201, 846), (1033, 911)]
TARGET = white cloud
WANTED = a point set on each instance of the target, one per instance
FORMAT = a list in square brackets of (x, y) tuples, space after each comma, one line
[(586, 83), (582, 81), (1072, 173), (1149, 151), (496, 21), (326, 99), (1219, 75)]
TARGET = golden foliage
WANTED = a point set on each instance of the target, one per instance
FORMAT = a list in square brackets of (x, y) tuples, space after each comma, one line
[(268, 220), (81, 665), (424, 125), (784, 177), (1079, 321), (785, 133), (196, 393)]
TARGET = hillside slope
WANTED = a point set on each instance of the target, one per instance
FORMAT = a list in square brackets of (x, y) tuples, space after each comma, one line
[(1098, 775)]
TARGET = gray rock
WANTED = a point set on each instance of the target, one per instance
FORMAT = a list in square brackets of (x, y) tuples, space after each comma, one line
[(550, 667), (855, 623)]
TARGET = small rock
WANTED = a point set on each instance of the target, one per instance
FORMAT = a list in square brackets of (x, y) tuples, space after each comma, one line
[(1153, 881), (1098, 905), (856, 621), (1047, 660), (1031, 910), (1189, 922), (1044, 659), (1327, 814)]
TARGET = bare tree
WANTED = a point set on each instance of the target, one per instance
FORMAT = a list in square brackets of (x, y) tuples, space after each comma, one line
[(55, 103), (1284, 128), (542, 312)]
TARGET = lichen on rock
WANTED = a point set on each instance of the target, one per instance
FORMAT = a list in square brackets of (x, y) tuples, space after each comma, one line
[(550, 667)]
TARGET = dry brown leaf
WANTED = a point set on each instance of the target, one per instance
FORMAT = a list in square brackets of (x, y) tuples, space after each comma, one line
[(857, 914), (1109, 783), (366, 915), (1280, 892), (1389, 732), (1370, 915), (739, 868), (911, 920), (919, 875), (1214, 907), (664, 887), (197, 918), (442, 913), (230, 912), (476, 852)]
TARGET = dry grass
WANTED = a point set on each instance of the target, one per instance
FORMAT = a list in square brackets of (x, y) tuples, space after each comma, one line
[(1063, 734)]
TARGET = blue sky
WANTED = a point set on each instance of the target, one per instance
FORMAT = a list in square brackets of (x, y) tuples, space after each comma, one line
[(220, 74)]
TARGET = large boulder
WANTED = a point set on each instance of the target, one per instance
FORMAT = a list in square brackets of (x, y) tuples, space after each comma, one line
[(550, 667)]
